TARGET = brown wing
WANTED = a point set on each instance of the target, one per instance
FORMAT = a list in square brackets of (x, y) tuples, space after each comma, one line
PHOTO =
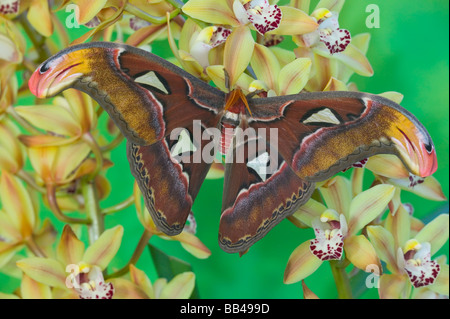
[(146, 96), (319, 134), (169, 174), (260, 190)]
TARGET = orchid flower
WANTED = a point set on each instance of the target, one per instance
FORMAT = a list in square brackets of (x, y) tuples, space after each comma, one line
[(409, 259), (332, 52), (140, 286), (38, 13), (241, 16), (337, 227), (77, 271), (18, 217), (12, 152)]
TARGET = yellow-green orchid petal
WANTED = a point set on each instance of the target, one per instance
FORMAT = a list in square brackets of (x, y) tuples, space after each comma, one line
[(8, 87), (68, 159), (301, 264), (156, 8), (394, 286), (360, 252), (88, 9), (12, 43), (435, 232), (180, 287), (387, 165), (42, 159), (191, 65), (441, 285), (300, 4), (337, 194), (292, 77), (44, 270), (309, 211), (158, 286), (114, 13), (186, 61), (31, 289), (284, 56), (320, 70), (45, 237), (32, 141), (82, 109), (124, 289), (188, 34), (393, 96), (9, 232), (17, 204), (384, 244), (368, 205), (51, 119), (70, 249), (8, 296), (430, 188), (192, 244), (357, 180), (216, 12), (351, 57), (361, 42), (335, 85), (416, 225), (399, 225), (332, 5), (140, 279), (340, 70), (266, 66), (294, 22), (307, 293), (8, 250), (40, 17), (148, 34), (258, 85), (217, 75), (238, 52), (11, 151), (103, 250), (9, 51)]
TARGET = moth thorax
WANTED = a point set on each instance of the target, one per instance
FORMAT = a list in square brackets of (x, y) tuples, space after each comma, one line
[(226, 137)]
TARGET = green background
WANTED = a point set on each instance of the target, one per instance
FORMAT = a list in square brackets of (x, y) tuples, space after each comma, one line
[(409, 53)]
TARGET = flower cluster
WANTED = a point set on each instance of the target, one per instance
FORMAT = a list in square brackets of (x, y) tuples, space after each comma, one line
[(364, 228), (54, 154)]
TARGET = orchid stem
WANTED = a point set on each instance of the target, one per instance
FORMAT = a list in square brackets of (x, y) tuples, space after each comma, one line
[(92, 208), (146, 235), (114, 143), (147, 17), (341, 279), (176, 3), (34, 248), (120, 206), (27, 178), (90, 140), (51, 197), (37, 39)]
